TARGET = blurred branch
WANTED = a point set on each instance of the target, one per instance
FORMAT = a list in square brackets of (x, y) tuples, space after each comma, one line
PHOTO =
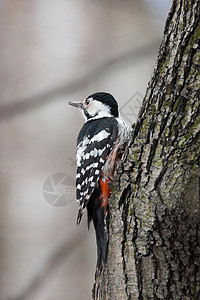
[(37, 100), (51, 265)]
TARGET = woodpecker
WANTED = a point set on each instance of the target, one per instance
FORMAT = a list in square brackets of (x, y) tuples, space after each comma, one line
[(98, 141)]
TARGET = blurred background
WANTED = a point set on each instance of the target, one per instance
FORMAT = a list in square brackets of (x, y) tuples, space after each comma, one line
[(52, 52)]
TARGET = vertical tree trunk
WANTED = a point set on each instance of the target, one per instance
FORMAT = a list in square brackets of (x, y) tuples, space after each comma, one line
[(154, 215)]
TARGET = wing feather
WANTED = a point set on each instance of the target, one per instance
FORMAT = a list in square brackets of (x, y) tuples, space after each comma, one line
[(92, 152)]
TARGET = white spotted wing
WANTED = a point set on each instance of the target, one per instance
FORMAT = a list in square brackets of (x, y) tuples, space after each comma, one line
[(95, 142)]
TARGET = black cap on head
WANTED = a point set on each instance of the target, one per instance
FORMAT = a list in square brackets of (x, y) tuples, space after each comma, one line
[(107, 99)]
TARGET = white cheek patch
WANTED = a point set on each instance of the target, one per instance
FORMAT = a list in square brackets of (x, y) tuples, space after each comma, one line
[(98, 109), (92, 109)]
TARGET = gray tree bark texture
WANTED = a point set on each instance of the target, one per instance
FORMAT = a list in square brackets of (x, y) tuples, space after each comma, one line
[(154, 209)]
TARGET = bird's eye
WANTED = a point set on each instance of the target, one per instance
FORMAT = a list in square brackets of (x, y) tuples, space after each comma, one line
[(88, 100)]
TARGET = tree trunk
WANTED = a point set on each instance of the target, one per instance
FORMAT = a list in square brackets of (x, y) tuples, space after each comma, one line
[(154, 210)]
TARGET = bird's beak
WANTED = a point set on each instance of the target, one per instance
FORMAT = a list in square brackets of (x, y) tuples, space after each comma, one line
[(76, 104)]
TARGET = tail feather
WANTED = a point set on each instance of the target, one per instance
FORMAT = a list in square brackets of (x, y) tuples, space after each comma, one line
[(97, 213), (79, 217)]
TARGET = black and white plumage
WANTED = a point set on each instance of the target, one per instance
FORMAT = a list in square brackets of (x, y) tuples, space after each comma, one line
[(100, 137), (95, 142)]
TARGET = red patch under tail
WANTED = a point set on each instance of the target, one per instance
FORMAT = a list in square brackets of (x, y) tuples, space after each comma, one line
[(105, 192)]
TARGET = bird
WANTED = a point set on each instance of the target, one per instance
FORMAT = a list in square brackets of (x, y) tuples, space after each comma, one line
[(102, 134)]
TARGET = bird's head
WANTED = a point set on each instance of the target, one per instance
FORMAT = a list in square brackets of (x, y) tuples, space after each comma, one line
[(98, 105)]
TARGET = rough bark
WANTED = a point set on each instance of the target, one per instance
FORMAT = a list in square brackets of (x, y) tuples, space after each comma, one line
[(154, 212)]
